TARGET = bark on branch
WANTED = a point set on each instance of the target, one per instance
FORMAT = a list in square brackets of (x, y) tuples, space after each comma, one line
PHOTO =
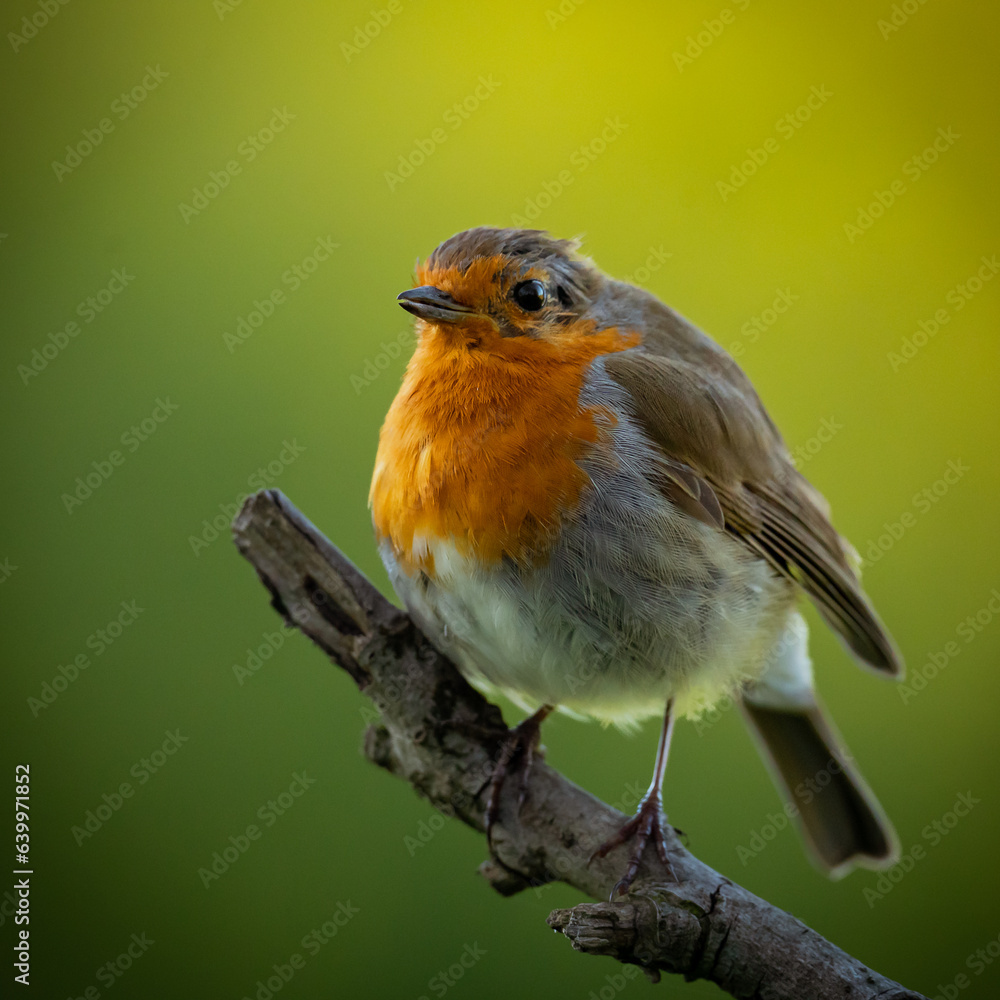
[(441, 736)]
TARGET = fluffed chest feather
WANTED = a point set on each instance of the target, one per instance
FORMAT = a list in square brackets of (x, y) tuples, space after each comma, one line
[(628, 601)]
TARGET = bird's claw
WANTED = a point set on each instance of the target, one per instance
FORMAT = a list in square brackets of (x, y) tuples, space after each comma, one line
[(648, 824), (520, 742)]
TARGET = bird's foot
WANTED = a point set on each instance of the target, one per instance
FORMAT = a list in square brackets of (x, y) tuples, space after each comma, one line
[(519, 746), (648, 825)]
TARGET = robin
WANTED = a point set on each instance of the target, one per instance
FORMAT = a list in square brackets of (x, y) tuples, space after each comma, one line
[(582, 501)]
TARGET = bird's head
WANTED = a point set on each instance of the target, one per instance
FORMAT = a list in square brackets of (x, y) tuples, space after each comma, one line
[(485, 285)]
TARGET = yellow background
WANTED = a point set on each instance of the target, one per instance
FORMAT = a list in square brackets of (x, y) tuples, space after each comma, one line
[(553, 82)]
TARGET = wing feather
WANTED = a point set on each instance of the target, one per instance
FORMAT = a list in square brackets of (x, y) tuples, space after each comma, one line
[(726, 464)]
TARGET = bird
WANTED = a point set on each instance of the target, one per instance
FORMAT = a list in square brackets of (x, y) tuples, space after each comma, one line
[(582, 501)]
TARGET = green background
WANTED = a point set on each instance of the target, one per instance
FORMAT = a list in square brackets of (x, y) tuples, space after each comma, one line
[(552, 85)]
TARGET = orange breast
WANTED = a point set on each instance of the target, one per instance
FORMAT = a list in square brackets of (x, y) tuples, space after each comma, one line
[(480, 446)]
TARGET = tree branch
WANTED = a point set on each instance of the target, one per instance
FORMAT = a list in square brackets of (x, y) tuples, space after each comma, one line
[(444, 738)]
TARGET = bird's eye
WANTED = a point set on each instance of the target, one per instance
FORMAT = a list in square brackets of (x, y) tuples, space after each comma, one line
[(530, 295)]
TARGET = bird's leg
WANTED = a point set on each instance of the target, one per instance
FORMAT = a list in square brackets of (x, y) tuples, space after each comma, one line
[(648, 822), (521, 741)]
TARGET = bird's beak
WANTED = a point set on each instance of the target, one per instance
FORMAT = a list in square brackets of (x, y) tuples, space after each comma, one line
[(432, 304)]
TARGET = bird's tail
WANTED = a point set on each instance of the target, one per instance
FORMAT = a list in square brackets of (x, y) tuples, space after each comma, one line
[(841, 820)]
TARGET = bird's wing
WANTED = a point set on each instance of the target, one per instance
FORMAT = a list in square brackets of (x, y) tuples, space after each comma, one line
[(727, 465)]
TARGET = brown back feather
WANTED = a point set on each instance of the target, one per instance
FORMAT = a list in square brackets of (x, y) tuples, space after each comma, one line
[(724, 453)]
